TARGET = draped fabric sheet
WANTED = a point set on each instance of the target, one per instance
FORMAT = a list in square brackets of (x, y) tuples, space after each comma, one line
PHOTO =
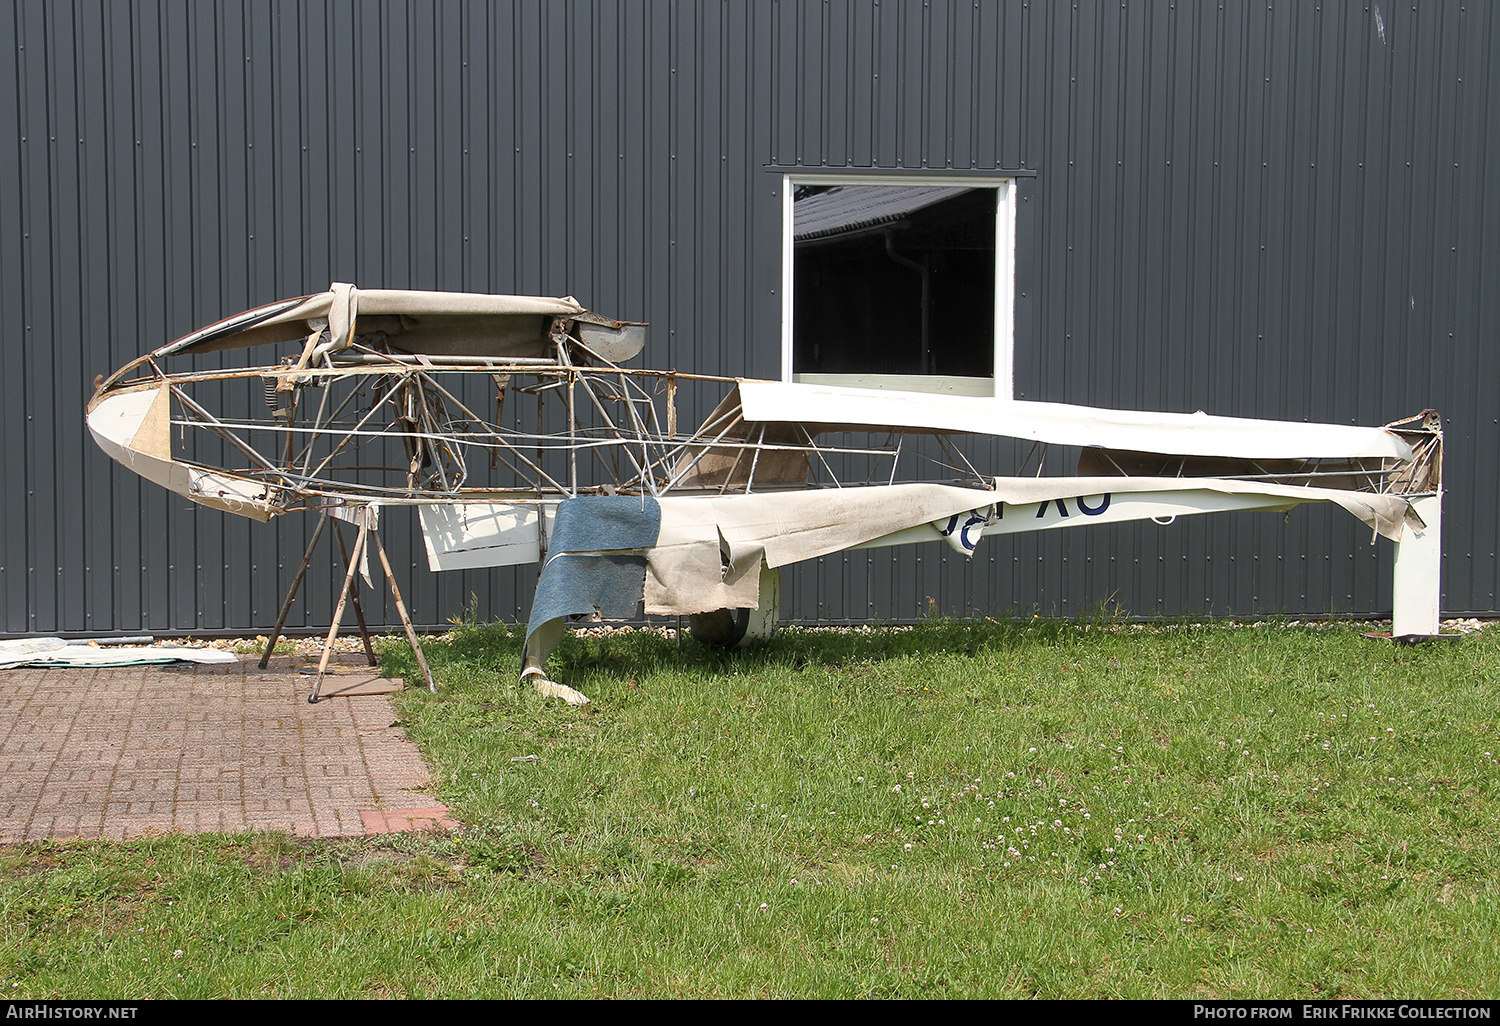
[(596, 564), (696, 554)]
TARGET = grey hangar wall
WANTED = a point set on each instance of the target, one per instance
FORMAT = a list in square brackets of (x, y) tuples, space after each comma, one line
[(1266, 209)]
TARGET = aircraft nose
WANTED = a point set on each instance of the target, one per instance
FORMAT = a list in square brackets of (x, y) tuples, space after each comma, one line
[(133, 424), (134, 427)]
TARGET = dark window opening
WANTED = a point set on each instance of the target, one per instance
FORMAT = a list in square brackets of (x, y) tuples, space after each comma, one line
[(894, 280)]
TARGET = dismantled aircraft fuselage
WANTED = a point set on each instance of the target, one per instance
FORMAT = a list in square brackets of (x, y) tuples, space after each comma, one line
[(511, 425)]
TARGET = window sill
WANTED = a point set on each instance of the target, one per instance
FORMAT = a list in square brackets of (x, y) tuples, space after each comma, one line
[(936, 383)]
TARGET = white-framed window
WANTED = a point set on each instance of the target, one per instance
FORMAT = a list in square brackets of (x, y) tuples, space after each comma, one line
[(899, 281)]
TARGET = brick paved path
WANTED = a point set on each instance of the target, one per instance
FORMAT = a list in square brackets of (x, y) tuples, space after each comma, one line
[(118, 752)]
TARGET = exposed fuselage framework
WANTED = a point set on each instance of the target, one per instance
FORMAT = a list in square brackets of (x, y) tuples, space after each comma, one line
[(500, 416)]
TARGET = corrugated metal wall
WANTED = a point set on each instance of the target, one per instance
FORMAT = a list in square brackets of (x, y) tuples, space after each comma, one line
[(1273, 209)]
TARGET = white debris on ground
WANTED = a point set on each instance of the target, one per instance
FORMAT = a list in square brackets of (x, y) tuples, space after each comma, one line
[(57, 652), (18, 652)]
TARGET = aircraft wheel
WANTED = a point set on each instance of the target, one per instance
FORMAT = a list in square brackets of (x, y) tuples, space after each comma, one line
[(723, 628)]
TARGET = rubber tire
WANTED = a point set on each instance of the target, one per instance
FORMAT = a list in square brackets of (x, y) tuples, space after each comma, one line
[(723, 628)]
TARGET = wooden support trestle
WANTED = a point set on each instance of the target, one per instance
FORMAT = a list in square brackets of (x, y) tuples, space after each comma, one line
[(366, 518)]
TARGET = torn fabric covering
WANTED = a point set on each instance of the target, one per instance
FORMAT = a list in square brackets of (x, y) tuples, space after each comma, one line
[(342, 304), (962, 531), (686, 571), (595, 564), (789, 527), (1384, 513), (711, 549)]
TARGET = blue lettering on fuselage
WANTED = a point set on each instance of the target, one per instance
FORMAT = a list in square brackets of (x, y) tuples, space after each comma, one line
[(1083, 507)]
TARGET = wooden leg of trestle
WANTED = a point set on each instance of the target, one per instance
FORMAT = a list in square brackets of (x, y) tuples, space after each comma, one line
[(359, 613), (286, 605), (338, 612), (411, 632)]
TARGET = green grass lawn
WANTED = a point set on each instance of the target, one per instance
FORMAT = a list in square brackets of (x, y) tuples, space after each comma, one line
[(1007, 809)]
